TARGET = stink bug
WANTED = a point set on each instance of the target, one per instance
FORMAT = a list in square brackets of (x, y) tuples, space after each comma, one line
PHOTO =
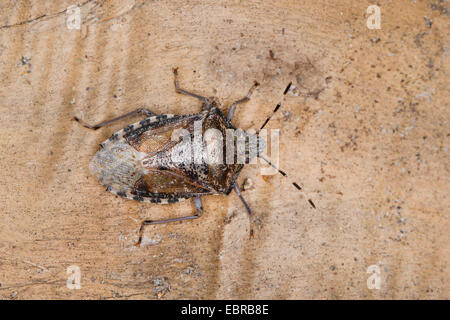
[(138, 161)]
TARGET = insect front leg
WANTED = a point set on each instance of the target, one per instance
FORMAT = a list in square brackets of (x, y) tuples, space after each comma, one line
[(198, 207), (244, 99), (249, 211), (181, 91), (145, 112)]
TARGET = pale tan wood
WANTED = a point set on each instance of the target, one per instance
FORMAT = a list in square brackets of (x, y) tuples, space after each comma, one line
[(365, 132)]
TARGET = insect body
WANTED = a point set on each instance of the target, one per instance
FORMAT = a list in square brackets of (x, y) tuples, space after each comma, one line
[(142, 161)]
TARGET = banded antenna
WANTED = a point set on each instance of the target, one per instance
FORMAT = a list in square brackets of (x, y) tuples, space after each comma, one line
[(277, 106), (284, 174)]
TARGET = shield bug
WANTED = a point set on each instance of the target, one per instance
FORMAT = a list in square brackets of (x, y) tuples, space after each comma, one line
[(151, 160)]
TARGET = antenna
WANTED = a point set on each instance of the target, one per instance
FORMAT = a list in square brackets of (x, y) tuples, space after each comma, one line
[(295, 184), (277, 106)]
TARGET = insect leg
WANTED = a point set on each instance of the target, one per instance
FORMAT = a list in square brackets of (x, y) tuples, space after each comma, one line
[(244, 99), (181, 91), (198, 207), (146, 112), (249, 211)]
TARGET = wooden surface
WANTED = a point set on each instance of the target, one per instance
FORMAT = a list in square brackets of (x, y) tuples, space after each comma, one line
[(365, 132)]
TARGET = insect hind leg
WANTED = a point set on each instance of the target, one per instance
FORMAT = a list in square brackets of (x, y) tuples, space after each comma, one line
[(145, 112), (198, 207)]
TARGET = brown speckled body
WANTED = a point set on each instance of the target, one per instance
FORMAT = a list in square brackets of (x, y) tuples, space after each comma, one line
[(136, 161)]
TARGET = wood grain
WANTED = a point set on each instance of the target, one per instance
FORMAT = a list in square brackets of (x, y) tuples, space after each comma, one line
[(365, 132)]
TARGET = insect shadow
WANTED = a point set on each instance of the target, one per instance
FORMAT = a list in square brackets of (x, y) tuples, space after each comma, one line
[(137, 162)]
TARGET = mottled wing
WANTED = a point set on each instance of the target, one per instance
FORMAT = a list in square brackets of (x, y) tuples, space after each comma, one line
[(156, 137), (167, 182), (163, 178)]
